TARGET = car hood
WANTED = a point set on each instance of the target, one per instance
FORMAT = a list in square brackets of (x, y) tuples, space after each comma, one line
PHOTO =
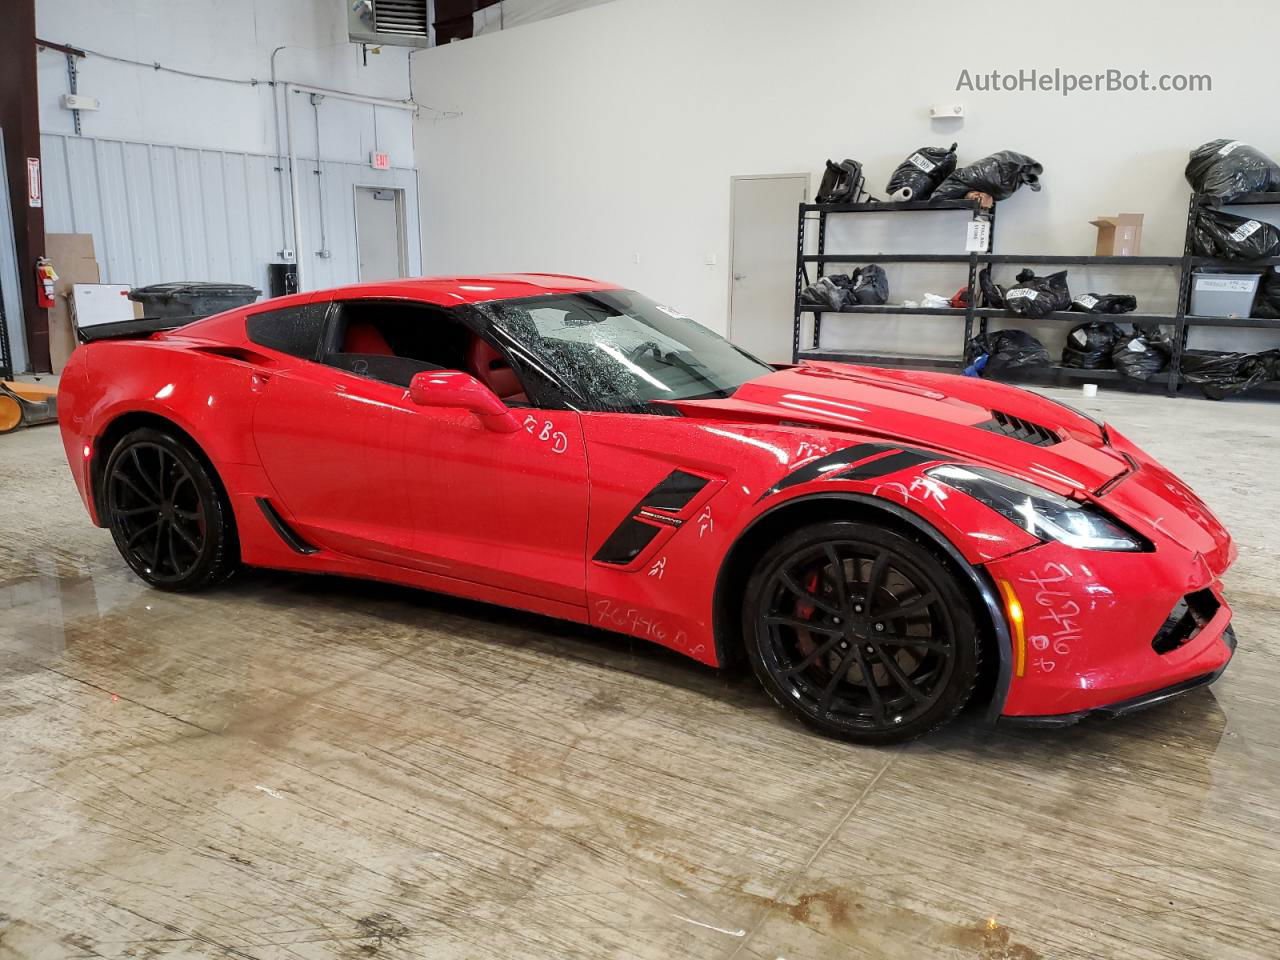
[(974, 420)]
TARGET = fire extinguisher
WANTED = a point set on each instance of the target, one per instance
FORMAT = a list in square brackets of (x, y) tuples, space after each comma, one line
[(46, 277)]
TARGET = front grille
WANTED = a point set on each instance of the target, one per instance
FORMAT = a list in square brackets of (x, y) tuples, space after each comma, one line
[(1185, 620), (1019, 429)]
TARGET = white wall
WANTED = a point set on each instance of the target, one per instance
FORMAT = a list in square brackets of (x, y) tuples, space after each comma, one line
[(586, 142), (160, 213), (175, 176), (227, 38)]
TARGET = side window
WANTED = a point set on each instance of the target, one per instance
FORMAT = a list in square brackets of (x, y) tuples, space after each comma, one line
[(391, 340), (293, 330)]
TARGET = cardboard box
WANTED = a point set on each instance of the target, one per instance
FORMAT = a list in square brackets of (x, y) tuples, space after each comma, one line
[(1119, 236), (74, 261)]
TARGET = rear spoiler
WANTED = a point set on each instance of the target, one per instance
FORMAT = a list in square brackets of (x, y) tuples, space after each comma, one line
[(138, 328)]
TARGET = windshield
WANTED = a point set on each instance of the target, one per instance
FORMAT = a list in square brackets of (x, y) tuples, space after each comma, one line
[(617, 350)]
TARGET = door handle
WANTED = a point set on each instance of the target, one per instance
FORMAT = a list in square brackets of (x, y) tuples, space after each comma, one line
[(739, 276)]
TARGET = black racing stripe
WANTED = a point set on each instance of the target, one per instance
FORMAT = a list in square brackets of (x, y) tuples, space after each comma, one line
[(675, 491), (830, 463), (626, 542), (890, 464)]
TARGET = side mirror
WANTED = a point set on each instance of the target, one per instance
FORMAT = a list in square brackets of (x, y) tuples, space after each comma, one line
[(453, 388)]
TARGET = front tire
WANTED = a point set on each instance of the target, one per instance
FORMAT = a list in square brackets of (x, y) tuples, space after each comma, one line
[(862, 633), (167, 513)]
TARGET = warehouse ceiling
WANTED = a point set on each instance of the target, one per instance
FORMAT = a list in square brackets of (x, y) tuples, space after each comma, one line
[(460, 19)]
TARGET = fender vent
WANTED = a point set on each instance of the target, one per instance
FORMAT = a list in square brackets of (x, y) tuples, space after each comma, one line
[(1020, 429)]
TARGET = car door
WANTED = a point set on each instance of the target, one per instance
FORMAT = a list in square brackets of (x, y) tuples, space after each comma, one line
[(363, 470), (507, 510), (330, 442)]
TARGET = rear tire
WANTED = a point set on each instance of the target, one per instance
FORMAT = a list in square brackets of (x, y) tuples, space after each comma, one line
[(862, 633), (167, 512)]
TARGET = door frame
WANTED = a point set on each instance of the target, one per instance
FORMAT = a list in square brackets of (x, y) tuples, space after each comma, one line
[(733, 213), (402, 225)]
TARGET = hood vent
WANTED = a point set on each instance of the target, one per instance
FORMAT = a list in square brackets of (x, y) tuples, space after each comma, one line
[(1020, 429)]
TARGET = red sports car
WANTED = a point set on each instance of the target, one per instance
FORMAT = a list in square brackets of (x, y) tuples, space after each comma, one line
[(876, 543)]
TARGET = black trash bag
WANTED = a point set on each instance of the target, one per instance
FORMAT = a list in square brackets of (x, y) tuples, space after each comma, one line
[(992, 295), (1220, 375), (841, 183), (920, 174), (1034, 296), (1228, 237), (1267, 306), (825, 292), (1227, 169), (871, 287), (1089, 345), (1006, 350), (1104, 303), (999, 175), (1142, 354)]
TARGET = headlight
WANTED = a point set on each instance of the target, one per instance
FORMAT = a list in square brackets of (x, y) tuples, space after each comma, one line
[(1038, 511)]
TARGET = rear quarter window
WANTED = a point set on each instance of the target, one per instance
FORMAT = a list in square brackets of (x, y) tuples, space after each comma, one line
[(293, 330)]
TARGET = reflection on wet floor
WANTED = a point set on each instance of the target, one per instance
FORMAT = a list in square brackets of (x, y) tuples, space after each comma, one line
[(315, 767)]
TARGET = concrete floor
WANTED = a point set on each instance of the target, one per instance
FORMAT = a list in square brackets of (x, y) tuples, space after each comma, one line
[(297, 767)]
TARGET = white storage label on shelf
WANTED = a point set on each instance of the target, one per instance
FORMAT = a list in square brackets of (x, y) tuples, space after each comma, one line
[(1245, 230), (1088, 301), (1226, 149), (1226, 284), (1021, 293), (977, 238), (923, 162)]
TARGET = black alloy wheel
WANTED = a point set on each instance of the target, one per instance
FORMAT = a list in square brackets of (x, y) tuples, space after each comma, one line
[(167, 514), (861, 632)]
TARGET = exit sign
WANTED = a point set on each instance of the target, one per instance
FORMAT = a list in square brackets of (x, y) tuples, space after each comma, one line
[(380, 161)]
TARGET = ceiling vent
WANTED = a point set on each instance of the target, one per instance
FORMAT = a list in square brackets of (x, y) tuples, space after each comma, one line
[(401, 22)]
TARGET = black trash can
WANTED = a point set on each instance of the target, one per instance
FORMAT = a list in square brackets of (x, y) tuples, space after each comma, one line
[(192, 300)]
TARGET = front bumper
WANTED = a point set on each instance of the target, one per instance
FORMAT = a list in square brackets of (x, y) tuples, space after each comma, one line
[(1092, 627), (1132, 705)]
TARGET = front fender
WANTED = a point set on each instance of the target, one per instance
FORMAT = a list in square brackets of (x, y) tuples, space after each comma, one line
[(975, 573)]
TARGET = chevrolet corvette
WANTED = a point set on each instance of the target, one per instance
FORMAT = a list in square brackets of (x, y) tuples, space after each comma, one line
[(881, 546)]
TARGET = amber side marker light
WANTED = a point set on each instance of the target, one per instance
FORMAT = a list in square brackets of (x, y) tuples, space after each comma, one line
[(1016, 618)]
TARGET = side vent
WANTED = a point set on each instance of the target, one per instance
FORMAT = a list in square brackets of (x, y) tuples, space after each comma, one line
[(1020, 429), (661, 511), (286, 533)]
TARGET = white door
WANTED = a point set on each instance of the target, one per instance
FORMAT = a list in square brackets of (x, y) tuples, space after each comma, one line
[(380, 233), (763, 262)]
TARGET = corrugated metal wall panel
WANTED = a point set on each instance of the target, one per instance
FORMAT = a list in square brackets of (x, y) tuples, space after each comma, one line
[(161, 213), (116, 254), (167, 226)]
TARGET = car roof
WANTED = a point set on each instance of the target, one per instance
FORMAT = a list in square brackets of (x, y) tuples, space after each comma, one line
[(451, 291)]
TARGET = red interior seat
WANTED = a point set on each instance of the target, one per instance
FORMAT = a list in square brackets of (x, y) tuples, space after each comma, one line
[(493, 371), (366, 338)]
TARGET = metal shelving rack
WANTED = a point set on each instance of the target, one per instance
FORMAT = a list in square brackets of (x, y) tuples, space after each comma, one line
[(1180, 321), (6, 353), (822, 258), (1190, 262)]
